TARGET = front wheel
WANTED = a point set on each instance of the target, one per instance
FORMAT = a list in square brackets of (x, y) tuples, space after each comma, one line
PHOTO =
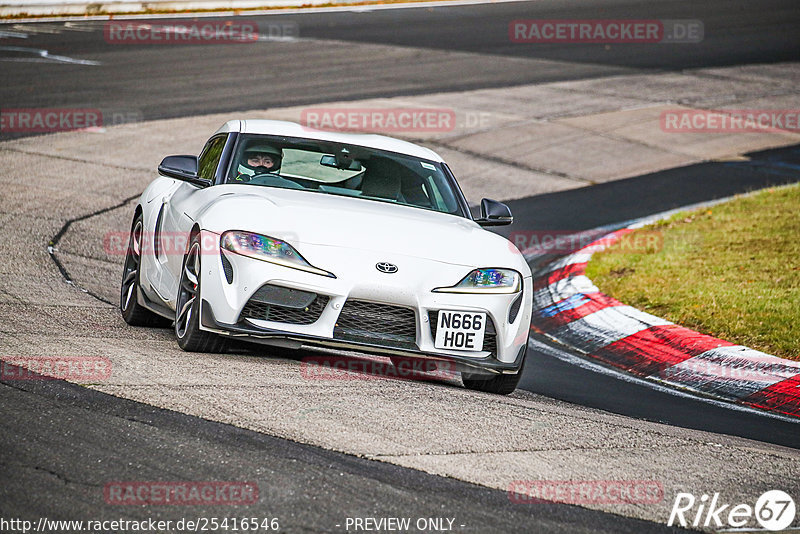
[(132, 312), (503, 384), (187, 309)]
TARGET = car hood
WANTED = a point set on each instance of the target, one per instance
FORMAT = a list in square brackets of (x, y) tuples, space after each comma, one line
[(323, 220)]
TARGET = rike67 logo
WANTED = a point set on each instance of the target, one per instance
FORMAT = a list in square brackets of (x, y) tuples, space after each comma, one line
[(774, 510)]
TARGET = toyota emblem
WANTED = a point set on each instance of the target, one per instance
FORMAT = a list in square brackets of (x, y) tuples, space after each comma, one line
[(386, 267)]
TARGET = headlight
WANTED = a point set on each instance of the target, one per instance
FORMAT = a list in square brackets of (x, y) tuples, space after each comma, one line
[(268, 249), (486, 281)]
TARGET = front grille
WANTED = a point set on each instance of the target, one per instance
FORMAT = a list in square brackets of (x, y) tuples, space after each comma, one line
[(382, 324), (489, 336), (284, 305)]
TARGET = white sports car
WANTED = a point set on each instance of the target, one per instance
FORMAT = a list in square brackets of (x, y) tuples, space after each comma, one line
[(289, 236)]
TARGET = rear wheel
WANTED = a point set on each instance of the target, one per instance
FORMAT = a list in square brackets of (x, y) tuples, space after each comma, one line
[(503, 384), (187, 309), (132, 312)]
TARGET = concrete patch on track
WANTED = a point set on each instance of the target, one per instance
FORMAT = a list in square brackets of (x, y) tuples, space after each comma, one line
[(436, 427), (520, 142)]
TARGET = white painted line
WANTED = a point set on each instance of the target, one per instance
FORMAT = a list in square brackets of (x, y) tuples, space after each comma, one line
[(43, 56), (280, 39), (12, 35), (37, 28), (605, 327), (79, 27)]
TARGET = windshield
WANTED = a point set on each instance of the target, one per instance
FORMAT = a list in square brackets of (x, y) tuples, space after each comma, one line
[(346, 170)]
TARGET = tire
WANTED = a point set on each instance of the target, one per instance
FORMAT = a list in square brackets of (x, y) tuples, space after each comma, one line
[(504, 384), (187, 309), (132, 312)]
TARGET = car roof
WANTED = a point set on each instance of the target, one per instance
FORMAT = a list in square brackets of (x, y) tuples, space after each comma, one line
[(292, 129)]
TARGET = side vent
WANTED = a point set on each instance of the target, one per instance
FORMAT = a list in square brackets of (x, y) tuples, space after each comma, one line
[(228, 268), (513, 311)]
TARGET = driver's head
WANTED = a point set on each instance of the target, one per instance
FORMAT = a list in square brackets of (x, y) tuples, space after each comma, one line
[(260, 158)]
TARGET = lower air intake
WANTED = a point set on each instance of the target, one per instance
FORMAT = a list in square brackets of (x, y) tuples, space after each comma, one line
[(378, 324), (284, 305)]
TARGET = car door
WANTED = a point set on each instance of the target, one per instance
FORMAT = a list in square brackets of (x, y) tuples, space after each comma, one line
[(177, 212)]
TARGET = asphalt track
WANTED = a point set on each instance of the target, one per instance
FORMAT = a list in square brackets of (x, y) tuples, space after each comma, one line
[(466, 47), (375, 53), (58, 455)]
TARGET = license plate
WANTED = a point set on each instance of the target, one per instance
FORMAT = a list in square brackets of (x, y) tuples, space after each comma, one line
[(460, 330)]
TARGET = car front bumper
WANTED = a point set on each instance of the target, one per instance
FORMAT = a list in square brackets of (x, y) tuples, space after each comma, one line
[(486, 364), (223, 298)]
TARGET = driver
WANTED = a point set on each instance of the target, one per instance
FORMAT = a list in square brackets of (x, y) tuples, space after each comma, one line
[(259, 159)]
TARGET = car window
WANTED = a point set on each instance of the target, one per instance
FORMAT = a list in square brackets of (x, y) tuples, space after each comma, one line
[(305, 164), (355, 171), (209, 159)]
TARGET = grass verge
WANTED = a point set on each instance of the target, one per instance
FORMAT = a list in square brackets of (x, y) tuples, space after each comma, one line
[(732, 271)]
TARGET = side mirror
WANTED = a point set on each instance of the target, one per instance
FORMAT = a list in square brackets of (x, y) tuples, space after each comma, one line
[(494, 213), (182, 168)]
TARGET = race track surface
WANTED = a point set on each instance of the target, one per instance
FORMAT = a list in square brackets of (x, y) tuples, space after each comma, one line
[(69, 442), (355, 55), (324, 451)]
